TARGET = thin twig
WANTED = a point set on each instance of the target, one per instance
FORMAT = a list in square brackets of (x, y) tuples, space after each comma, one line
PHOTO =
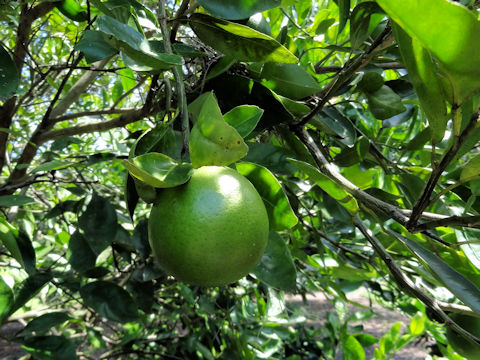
[(424, 200)]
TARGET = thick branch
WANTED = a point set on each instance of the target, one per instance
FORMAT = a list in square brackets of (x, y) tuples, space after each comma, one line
[(328, 169), (127, 118), (92, 113), (449, 155), (462, 221), (336, 68)]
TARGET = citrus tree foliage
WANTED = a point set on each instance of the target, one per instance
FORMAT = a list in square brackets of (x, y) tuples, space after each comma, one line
[(355, 120)]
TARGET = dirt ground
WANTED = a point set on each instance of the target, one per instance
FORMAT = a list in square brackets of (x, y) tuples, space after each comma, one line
[(316, 307)]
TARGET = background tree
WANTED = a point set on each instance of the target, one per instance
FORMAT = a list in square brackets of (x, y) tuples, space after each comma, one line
[(360, 119)]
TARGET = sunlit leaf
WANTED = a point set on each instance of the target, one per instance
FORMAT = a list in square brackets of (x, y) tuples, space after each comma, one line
[(454, 49), (237, 9), (212, 140), (244, 118), (471, 169), (6, 300), (239, 41)]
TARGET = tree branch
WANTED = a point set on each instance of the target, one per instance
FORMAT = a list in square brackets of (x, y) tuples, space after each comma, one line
[(462, 221), (348, 70), (329, 170), (92, 113), (438, 307), (449, 155), (127, 118), (336, 68)]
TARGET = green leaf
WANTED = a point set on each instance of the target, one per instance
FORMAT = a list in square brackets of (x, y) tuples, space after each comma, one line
[(9, 77), (27, 252), (272, 157), (94, 46), (8, 235), (363, 20), (276, 268), (50, 347), (244, 118), (72, 10), (328, 185), (28, 289), (220, 67), (239, 41), (237, 9), (352, 349), (426, 81), (135, 46), (98, 223), (15, 200), (332, 121), (6, 300), (419, 140), (454, 49), (45, 322), (471, 169), (460, 286), (385, 103), (290, 80), (159, 170), (110, 301), (212, 140), (51, 165), (343, 14), (417, 325), (280, 213), (80, 256)]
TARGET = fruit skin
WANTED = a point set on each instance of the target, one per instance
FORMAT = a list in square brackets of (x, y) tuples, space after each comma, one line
[(461, 345), (210, 231)]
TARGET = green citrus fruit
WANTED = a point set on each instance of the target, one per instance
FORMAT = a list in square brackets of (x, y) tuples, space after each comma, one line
[(461, 345), (210, 231)]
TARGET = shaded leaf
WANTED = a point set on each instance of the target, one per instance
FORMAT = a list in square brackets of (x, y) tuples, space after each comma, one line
[(9, 77), (27, 252), (158, 170), (110, 301), (239, 41), (343, 14), (45, 322), (244, 118), (98, 223), (290, 80), (270, 156), (6, 300), (276, 268), (15, 200), (81, 256), (212, 140), (134, 45), (328, 185), (460, 286), (385, 103), (50, 347), (28, 288), (280, 214), (51, 165), (237, 9), (363, 20)]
